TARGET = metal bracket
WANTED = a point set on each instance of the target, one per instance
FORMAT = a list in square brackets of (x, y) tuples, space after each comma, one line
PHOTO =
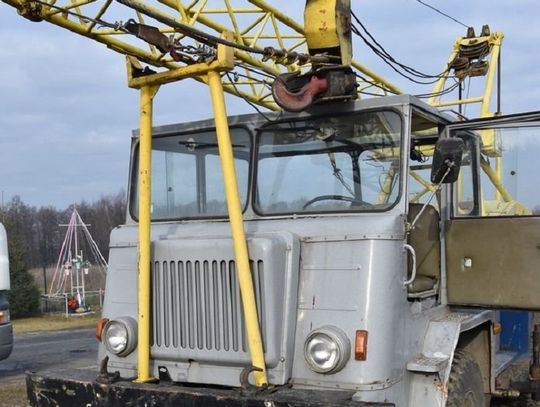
[(244, 377), (136, 80), (104, 377)]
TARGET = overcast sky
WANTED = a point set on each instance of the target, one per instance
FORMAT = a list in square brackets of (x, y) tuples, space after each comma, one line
[(66, 113)]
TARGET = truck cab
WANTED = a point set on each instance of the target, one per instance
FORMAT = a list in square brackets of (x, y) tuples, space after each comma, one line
[(378, 281), (6, 330)]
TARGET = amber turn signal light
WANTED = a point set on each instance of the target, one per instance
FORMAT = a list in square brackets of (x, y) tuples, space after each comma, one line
[(360, 345), (99, 327)]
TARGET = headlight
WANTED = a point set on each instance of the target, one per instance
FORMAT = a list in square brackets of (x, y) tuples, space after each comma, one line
[(120, 336), (327, 350)]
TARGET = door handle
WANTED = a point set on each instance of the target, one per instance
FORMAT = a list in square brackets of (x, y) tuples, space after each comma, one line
[(410, 249)]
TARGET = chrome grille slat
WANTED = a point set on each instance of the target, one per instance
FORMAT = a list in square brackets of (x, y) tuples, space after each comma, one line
[(175, 299), (183, 326), (208, 309), (234, 305), (199, 321), (225, 304), (260, 298), (156, 302), (166, 304), (217, 298), (190, 305)]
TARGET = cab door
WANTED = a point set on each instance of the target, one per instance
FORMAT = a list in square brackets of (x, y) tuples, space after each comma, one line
[(492, 237)]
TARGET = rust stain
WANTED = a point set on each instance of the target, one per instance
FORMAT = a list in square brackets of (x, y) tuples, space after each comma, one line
[(441, 387)]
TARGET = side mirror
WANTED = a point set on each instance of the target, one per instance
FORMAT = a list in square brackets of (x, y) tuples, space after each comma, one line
[(447, 160)]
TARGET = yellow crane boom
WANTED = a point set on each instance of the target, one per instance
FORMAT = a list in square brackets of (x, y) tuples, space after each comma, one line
[(254, 23)]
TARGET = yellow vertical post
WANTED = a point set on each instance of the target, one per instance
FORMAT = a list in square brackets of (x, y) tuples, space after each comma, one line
[(496, 49), (237, 226), (145, 174), (489, 135)]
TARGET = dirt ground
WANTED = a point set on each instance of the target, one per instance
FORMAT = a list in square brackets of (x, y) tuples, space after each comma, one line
[(13, 394)]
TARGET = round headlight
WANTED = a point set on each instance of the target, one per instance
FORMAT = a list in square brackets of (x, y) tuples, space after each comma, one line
[(119, 336), (327, 350)]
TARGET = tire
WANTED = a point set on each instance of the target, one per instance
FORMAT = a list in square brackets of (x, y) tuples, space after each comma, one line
[(465, 386)]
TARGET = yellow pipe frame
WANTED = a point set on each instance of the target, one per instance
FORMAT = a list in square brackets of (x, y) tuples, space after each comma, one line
[(467, 101), (145, 192), (495, 42), (237, 226), (149, 85)]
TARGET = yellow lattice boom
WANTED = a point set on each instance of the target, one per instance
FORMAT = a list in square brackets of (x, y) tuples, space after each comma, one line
[(254, 23)]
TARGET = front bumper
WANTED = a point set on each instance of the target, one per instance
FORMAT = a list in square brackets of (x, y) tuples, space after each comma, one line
[(6, 340), (78, 388)]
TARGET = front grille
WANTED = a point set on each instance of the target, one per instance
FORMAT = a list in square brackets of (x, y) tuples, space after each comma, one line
[(197, 305)]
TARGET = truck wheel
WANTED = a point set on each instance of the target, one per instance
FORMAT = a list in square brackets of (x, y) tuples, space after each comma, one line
[(465, 387)]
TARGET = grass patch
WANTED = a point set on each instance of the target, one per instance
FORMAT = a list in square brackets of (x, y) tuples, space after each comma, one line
[(54, 323), (13, 395)]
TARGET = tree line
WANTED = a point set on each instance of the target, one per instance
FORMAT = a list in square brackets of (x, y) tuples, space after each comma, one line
[(35, 237), (39, 230)]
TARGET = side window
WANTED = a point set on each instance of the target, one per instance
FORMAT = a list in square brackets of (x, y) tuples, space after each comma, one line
[(509, 162), (465, 198), (424, 133), (420, 187)]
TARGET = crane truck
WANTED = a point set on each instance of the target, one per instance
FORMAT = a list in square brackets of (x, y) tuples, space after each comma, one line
[(343, 252)]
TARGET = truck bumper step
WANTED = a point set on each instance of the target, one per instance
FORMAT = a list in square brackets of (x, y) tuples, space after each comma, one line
[(72, 387)]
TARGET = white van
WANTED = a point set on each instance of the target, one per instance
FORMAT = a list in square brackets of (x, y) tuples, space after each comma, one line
[(6, 330)]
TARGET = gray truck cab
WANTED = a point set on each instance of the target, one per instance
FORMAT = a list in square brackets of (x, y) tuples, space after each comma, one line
[(6, 330), (374, 285)]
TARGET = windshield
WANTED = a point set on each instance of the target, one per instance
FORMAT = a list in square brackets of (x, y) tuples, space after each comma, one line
[(331, 164), (187, 180)]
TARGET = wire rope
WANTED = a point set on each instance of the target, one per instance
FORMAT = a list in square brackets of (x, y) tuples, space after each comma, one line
[(382, 53), (443, 13)]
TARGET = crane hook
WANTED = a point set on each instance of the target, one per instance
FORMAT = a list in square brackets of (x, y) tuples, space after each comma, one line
[(294, 99)]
